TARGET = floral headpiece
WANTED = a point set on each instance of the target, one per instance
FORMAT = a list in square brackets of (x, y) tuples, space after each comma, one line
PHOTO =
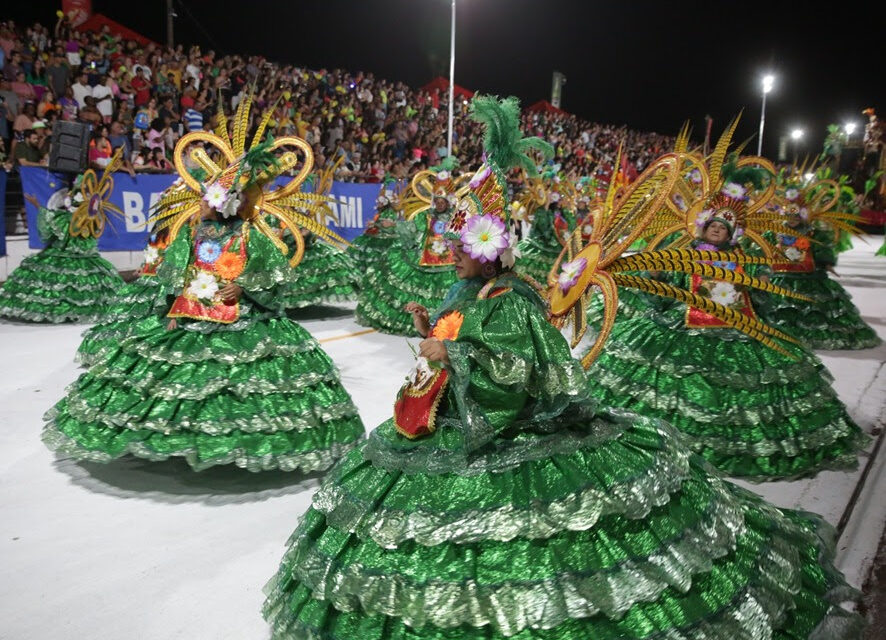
[(256, 167), (728, 206), (481, 220)]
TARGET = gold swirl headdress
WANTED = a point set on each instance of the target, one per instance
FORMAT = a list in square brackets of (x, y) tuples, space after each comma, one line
[(230, 165), (90, 217)]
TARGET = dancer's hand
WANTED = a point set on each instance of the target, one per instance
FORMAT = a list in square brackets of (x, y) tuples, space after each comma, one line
[(434, 350), (419, 317), (173, 324), (230, 291)]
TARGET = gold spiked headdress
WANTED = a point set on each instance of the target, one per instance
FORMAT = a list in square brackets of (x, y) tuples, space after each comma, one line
[(599, 263), (249, 176)]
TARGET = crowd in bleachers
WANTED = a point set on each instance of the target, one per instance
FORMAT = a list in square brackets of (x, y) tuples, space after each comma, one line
[(145, 96)]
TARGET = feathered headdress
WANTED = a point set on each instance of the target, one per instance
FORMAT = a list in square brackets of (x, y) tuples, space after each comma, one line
[(481, 222)]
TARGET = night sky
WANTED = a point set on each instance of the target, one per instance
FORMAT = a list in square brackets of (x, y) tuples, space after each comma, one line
[(650, 65)]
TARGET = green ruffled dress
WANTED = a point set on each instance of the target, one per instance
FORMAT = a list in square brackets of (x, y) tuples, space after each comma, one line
[(325, 275), (749, 410), (831, 321), (531, 513), (244, 385), (68, 281), (416, 267), (370, 247), (139, 299), (539, 251)]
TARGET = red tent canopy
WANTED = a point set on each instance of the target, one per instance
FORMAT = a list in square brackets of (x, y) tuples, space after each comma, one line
[(97, 21), (442, 84), (544, 105)]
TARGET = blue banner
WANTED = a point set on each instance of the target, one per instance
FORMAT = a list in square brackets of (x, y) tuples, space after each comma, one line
[(354, 205), (3, 176)]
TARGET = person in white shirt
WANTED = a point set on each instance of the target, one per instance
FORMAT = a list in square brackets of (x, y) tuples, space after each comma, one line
[(81, 89), (104, 98)]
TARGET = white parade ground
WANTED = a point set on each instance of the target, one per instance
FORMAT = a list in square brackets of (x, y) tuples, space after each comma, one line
[(145, 551)]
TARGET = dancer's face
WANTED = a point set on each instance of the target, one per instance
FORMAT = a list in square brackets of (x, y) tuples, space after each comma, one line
[(716, 233), (465, 266)]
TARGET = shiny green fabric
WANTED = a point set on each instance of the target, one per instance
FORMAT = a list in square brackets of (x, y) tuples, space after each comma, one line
[(539, 251), (325, 275), (531, 514), (259, 393), (136, 300), (368, 249), (747, 409), (68, 281), (830, 321), (396, 278)]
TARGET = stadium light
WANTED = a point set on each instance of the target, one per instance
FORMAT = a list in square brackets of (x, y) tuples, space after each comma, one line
[(796, 134), (451, 80), (768, 81)]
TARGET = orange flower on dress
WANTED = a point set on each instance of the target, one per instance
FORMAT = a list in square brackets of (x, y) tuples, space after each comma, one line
[(802, 243), (229, 265), (447, 327)]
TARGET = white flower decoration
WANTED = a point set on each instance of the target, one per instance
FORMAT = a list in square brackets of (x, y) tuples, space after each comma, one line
[(511, 253), (78, 197), (724, 293), (438, 247), (733, 190), (215, 196), (792, 194), (442, 175), (587, 229), (793, 254), (68, 202), (231, 206), (151, 255), (204, 286)]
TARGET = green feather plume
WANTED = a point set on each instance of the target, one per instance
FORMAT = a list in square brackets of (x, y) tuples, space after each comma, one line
[(503, 141), (756, 176)]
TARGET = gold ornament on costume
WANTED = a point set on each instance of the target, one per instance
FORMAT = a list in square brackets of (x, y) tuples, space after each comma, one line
[(599, 263), (89, 218), (223, 155), (427, 185)]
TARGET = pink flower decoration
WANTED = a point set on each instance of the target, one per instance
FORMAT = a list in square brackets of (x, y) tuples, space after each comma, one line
[(485, 237), (570, 272)]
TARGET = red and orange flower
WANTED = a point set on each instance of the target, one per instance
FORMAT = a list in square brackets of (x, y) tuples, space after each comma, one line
[(448, 326), (229, 265)]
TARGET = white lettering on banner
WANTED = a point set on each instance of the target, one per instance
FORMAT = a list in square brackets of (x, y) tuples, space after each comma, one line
[(348, 211), (134, 210)]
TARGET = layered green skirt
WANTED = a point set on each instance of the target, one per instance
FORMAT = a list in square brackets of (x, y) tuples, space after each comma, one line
[(608, 530), (325, 275), (259, 393), (135, 301), (830, 321), (70, 284), (394, 280), (749, 410), (368, 249)]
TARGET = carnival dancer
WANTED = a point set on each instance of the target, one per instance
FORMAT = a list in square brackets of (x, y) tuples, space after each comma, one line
[(807, 250), (371, 246), (223, 377), (502, 502), (418, 265), (67, 281), (753, 411)]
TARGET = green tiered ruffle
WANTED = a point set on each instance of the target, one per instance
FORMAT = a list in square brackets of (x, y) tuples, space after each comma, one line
[(747, 409), (135, 301), (620, 535), (70, 284), (368, 250), (325, 275), (260, 394), (831, 321), (394, 281), (545, 519), (536, 259)]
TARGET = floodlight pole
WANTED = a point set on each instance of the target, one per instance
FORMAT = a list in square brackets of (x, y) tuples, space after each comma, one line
[(762, 122), (451, 80)]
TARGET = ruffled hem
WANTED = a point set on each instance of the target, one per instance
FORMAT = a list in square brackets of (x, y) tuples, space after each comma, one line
[(586, 500), (305, 462)]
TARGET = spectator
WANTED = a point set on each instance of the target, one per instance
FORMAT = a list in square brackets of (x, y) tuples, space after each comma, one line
[(24, 121), (13, 66), (47, 104), (100, 148), (90, 114), (81, 90), (69, 106), (158, 161), (58, 74), (193, 120), (104, 98), (141, 86), (28, 153), (23, 89)]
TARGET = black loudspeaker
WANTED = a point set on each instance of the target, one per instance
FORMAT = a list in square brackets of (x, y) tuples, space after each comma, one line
[(69, 147)]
